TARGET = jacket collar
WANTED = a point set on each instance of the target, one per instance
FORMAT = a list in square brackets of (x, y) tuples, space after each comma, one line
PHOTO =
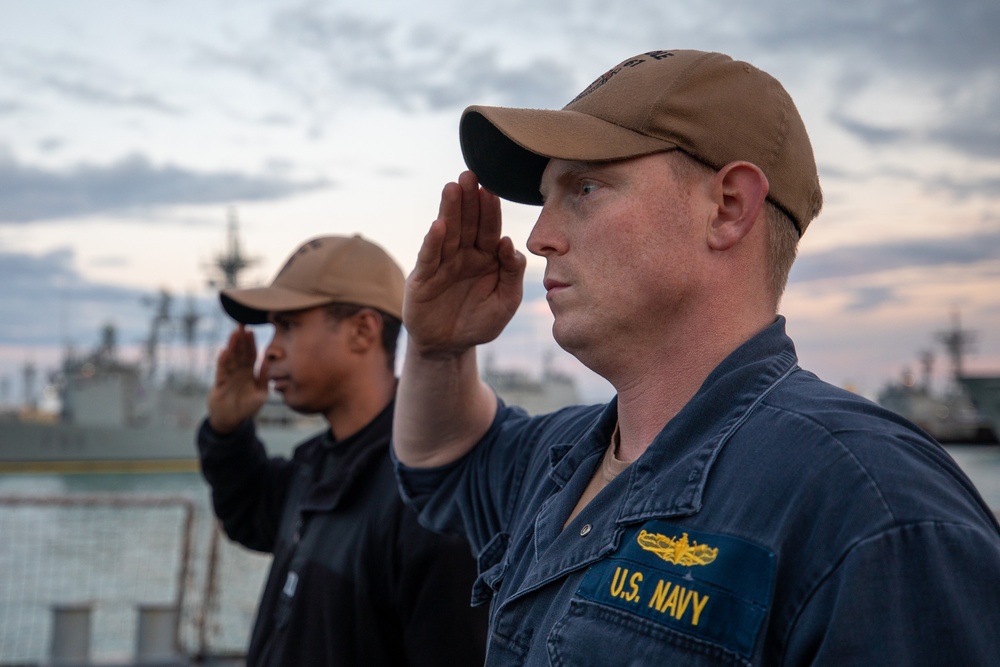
[(354, 455), (669, 478)]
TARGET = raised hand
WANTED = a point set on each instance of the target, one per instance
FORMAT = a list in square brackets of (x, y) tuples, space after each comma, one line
[(467, 283), (238, 393)]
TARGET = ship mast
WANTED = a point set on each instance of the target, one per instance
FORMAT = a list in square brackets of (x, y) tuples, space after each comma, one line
[(160, 321), (957, 341), (224, 272), (232, 261)]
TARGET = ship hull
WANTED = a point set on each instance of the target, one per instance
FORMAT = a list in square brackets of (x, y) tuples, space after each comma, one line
[(38, 447), (984, 390)]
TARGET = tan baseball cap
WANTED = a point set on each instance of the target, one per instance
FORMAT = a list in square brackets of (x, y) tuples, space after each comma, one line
[(714, 108), (327, 269)]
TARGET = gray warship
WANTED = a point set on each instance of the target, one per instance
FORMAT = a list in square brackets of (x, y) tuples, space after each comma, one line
[(132, 416), (121, 416), (966, 411)]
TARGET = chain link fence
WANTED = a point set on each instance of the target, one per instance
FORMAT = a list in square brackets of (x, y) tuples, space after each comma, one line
[(96, 576)]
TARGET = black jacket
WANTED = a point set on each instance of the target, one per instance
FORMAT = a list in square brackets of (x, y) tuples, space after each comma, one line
[(355, 580)]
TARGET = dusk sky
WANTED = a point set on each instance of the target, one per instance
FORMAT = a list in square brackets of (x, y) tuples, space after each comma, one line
[(130, 127)]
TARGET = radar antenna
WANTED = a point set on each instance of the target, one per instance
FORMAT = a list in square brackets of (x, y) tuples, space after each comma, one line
[(957, 341), (232, 261)]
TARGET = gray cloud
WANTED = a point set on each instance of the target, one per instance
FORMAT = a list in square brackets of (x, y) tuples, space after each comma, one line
[(55, 305), (81, 79), (947, 49), (975, 132), (970, 131), (110, 261), (870, 133), (97, 94), (540, 83), (29, 193), (988, 186), (48, 296), (277, 120), (870, 298), (865, 260), (393, 172), (934, 183), (51, 144), (319, 57), (10, 107), (927, 38)]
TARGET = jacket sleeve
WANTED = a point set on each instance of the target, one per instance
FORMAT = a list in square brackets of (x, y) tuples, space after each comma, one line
[(918, 594), (475, 497), (480, 495), (248, 488)]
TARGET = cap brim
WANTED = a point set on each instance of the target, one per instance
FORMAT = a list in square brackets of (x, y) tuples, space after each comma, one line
[(508, 148), (252, 306)]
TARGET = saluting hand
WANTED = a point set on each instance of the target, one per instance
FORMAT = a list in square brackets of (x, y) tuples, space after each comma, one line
[(467, 282), (238, 393)]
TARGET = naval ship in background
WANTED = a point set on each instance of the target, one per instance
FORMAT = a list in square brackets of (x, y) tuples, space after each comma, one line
[(967, 411), (123, 416), (984, 390), (537, 395), (131, 416)]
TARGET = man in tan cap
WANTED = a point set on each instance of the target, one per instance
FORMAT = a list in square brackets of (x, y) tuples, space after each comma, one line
[(726, 507), (355, 580)]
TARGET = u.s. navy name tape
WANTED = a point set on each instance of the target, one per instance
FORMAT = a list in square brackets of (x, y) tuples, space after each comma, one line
[(714, 587)]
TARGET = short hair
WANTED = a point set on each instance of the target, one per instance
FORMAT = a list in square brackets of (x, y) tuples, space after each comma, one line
[(782, 234), (782, 247), (391, 326)]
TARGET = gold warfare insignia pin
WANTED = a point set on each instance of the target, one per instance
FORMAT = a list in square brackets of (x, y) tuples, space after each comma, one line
[(677, 550)]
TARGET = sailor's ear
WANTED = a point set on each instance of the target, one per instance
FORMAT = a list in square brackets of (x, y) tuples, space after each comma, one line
[(738, 192), (366, 329)]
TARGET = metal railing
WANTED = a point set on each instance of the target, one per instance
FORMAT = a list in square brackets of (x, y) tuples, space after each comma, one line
[(88, 579)]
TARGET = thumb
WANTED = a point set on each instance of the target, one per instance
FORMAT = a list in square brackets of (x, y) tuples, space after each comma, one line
[(261, 376), (512, 264)]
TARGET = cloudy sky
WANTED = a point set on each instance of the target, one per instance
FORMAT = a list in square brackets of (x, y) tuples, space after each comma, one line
[(129, 129)]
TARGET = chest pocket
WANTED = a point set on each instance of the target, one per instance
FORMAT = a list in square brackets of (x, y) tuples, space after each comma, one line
[(492, 564), (592, 634), (670, 595)]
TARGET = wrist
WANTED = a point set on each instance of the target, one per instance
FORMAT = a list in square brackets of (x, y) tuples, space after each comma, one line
[(437, 353), (223, 426)]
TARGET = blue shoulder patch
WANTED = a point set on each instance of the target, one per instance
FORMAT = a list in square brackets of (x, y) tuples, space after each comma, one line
[(714, 587)]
